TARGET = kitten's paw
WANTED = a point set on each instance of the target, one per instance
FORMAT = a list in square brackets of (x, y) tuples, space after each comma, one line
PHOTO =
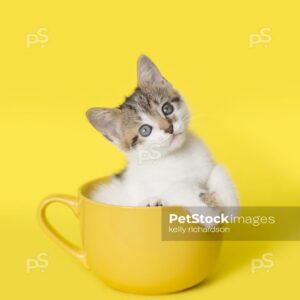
[(154, 203), (209, 199)]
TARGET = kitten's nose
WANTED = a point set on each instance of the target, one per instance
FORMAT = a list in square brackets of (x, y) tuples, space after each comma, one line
[(170, 129)]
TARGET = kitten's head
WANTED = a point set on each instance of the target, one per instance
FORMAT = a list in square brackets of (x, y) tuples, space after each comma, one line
[(151, 122)]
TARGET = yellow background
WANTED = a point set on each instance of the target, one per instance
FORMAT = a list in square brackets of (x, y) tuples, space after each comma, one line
[(245, 103)]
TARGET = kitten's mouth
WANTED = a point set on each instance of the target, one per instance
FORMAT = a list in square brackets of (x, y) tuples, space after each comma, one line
[(174, 136)]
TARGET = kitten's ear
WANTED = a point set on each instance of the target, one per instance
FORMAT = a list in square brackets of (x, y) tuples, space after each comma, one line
[(149, 75), (107, 121)]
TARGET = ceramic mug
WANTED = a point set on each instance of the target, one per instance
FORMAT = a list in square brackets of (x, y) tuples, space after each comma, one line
[(123, 246)]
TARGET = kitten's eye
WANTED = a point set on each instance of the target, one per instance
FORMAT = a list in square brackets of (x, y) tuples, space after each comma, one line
[(167, 109), (145, 130)]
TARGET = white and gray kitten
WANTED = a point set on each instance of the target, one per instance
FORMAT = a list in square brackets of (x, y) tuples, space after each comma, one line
[(167, 165)]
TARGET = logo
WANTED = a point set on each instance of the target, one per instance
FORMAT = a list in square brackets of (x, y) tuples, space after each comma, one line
[(151, 154), (266, 262), (40, 38), (263, 37), (40, 262)]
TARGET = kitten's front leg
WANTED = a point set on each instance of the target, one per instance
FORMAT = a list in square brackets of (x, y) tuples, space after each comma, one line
[(190, 196), (221, 187)]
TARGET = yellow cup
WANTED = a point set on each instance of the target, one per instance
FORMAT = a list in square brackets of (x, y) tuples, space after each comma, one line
[(123, 246)]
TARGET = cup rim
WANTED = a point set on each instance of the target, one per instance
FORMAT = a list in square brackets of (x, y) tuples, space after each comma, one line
[(82, 194)]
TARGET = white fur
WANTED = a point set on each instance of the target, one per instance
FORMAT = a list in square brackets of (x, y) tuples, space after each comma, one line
[(173, 179)]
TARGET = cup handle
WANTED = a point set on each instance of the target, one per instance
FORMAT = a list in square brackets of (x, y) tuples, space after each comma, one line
[(72, 203)]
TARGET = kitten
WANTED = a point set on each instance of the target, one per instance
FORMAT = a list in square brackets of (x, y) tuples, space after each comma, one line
[(167, 165)]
